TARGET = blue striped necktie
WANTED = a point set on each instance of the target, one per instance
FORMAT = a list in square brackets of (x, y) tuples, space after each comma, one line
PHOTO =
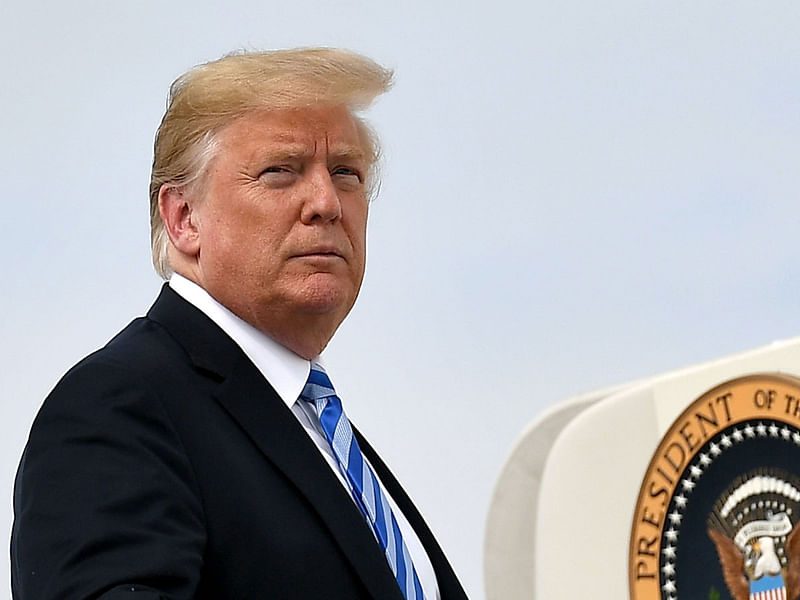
[(363, 484)]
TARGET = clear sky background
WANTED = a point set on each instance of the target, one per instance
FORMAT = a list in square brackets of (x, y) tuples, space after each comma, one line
[(575, 194)]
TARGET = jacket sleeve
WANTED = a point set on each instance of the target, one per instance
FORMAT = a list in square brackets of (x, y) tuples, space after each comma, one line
[(106, 504)]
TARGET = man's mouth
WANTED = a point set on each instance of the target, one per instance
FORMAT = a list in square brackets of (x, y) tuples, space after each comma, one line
[(320, 252)]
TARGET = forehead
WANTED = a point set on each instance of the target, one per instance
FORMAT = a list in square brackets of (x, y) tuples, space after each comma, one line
[(294, 131)]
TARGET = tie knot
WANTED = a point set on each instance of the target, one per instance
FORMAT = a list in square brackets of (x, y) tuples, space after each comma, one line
[(318, 385)]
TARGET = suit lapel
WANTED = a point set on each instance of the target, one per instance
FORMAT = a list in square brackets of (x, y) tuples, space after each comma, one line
[(265, 418), (449, 586)]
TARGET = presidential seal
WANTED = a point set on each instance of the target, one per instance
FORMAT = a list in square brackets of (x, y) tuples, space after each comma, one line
[(719, 507)]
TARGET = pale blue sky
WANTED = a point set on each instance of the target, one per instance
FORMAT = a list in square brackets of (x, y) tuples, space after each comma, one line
[(575, 194)]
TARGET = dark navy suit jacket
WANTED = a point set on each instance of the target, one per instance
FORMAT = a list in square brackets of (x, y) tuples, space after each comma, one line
[(164, 466)]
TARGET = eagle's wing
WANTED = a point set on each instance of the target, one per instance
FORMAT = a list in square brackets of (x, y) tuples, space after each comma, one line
[(793, 564), (732, 562)]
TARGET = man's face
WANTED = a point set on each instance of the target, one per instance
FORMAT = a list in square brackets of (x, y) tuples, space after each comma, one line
[(283, 216)]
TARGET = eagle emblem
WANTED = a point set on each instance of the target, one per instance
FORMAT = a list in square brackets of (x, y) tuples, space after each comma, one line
[(754, 528)]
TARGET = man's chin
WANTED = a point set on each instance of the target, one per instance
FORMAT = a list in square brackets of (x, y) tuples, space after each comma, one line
[(325, 299)]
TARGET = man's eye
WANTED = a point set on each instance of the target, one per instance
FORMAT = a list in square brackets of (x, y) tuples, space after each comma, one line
[(347, 173), (276, 169), (277, 175)]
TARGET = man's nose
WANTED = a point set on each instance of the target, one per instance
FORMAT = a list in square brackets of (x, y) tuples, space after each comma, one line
[(322, 199)]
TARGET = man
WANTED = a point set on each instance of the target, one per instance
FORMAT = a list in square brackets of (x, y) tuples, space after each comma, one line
[(203, 452)]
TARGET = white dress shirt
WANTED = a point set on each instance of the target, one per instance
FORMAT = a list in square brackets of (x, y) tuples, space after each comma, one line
[(287, 373)]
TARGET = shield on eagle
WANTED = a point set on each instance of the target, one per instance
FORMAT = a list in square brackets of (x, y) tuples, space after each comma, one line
[(754, 528)]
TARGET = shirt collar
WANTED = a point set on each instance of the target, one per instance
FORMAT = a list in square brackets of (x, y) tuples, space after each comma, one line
[(285, 371)]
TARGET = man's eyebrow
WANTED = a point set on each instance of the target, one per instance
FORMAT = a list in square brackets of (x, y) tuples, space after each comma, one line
[(347, 152), (285, 151)]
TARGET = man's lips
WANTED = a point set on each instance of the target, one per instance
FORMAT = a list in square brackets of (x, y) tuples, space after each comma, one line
[(321, 252)]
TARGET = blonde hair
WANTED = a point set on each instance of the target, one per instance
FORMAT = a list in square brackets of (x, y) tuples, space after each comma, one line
[(208, 97)]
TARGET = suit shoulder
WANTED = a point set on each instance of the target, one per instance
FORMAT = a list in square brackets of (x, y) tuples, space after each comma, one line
[(143, 346), (131, 370)]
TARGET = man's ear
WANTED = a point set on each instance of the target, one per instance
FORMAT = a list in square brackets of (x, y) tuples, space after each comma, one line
[(177, 214)]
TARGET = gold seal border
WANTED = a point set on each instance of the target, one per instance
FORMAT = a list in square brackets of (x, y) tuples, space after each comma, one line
[(773, 396)]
